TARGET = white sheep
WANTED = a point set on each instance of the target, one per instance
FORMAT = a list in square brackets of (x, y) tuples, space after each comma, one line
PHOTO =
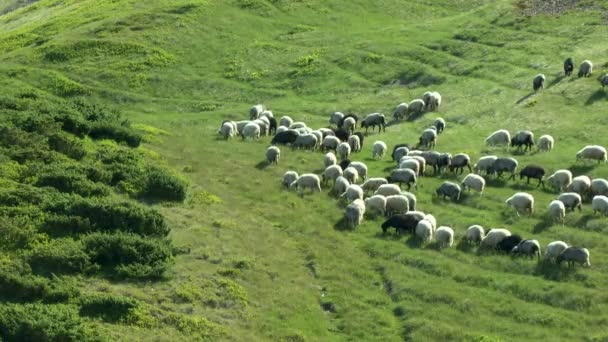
[(379, 149), (502, 137), (411, 198), (522, 202), (434, 101), (335, 118), (419, 215), (354, 213), (228, 130), (349, 124), (361, 169), (251, 130), (428, 138), (400, 111), (340, 185), (599, 186), (273, 154), (585, 69), (580, 184), (285, 121), (493, 237), (318, 134), (557, 211), (444, 236), (554, 249), (421, 162), (594, 152), (343, 151), (352, 193), (256, 111), (432, 220), (307, 180), (415, 107), (424, 230), (399, 153), (545, 143), (401, 176), (306, 141), (411, 164), (439, 124), (376, 203), (330, 142), (297, 125), (268, 114), (600, 204), (281, 129), (560, 179), (388, 190), (571, 200), (396, 204), (329, 159), (289, 177), (473, 181), (264, 125), (485, 163), (331, 173), (355, 143), (240, 125), (475, 234), (372, 184), (351, 174)]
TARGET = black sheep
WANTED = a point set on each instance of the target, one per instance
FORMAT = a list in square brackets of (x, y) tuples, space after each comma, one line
[(533, 171), (568, 66), (344, 163), (396, 147), (507, 244), (341, 134), (403, 223), (523, 138), (285, 137), (273, 125)]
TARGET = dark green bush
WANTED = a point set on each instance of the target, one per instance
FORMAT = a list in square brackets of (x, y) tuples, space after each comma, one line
[(60, 256), (66, 180), (163, 186), (69, 146), (63, 225), (116, 132), (110, 308), (20, 286)]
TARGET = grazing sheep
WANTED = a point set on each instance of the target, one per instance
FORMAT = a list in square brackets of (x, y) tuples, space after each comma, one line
[(286, 137), (350, 115), (424, 231), (343, 150), (351, 174), (494, 237), (256, 111), (306, 141), (399, 153), (318, 134), (507, 244), (411, 198), (434, 101), (449, 189), (600, 204), (523, 138), (411, 164), (545, 143), (354, 213), (501, 137), (355, 144), (459, 161), (361, 139), (240, 125), (304, 130), (421, 163), (285, 121), (330, 142), (273, 154), (403, 223), (538, 82), (373, 120), (397, 204), (554, 249), (379, 149), (574, 255), (426, 97), (289, 177), (329, 159), (593, 152), (349, 124), (326, 131), (418, 214), (361, 169), (432, 220), (437, 160), (522, 202), (281, 129), (502, 164), (560, 179), (415, 107), (388, 190), (557, 211), (586, 69), (228, 130), (352, 193), (439, 124), (344, 163), (372, 184), (580, 184), (297, 125), (340, 185), (475, 234), (343, 134), (533, 171), (473, 181), (604, 80), (527, 247), (599, 186), (273, 125), (571, 200), (484, 164), (335, 118), (307, 180), (427, 139), (331, 173), (395, 148), (444, 236), (264, 125), (376, 203), (568, 66), (251, 130), (401, 176), (400, 111)]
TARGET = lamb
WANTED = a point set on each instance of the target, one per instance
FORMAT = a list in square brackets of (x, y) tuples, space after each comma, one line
[(599, 186), (593, 152), (400, 111), (502, 164), (600, 204), (507, 244), (343, 150), (415, 107), (424, 231), (571, 200), (388, 190), (401, 176), (428, 139), (286, 137), (335, 118), (349, 124), (372, 184), (411, 164), (528, 247), (354, 213), (251, 130), (411, 198), (439, 124), (273, 154), (459, 161), (404, 223), (376, 203), (395, 148), (330, 142), (354, 143), (580, 184), (494, 237), (604, 80), (285, 121), (522, 202), (340, 185), (331, 173), (449, 189), (373, 120), (574, 255), (538, 82), (473, 181), (554, 249), (533, 171), (379, 149), (557, 211), (523, 138), (306, 141), (352, 193), (361, 169), (475, 234), (289, 177), (444, 236), (329, 159), (545, 143), (484, 164), (307, 180), (501, 137), (256, 111), (585, 69), (397, 204), (399, 153), (568, 66), (351, 174), (228, 130), (560, 179)]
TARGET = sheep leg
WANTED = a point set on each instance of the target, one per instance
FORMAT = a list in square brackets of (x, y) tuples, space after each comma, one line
[(540, 181)]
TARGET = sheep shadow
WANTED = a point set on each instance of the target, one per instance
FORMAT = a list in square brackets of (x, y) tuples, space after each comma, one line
[(394, 122), (414, 242), (464, 246), (581, 168), (415, 116), (559, 77), (342, 225), (525, 97), (552, 271), (596, 96), (262, 165), (388, 236), (583, 220), (545, 223)]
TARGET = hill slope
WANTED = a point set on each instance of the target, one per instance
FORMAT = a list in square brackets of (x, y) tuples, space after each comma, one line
[(261, 263)]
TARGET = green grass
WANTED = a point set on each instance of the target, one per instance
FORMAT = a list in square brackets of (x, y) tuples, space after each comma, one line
[(256, 262)]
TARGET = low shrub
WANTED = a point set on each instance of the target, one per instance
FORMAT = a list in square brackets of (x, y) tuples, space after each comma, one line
[(59, 256), (110, 308), (163, 186), (116, 132)]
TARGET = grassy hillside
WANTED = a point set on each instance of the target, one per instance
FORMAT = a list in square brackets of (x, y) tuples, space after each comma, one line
[(248, 260)]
